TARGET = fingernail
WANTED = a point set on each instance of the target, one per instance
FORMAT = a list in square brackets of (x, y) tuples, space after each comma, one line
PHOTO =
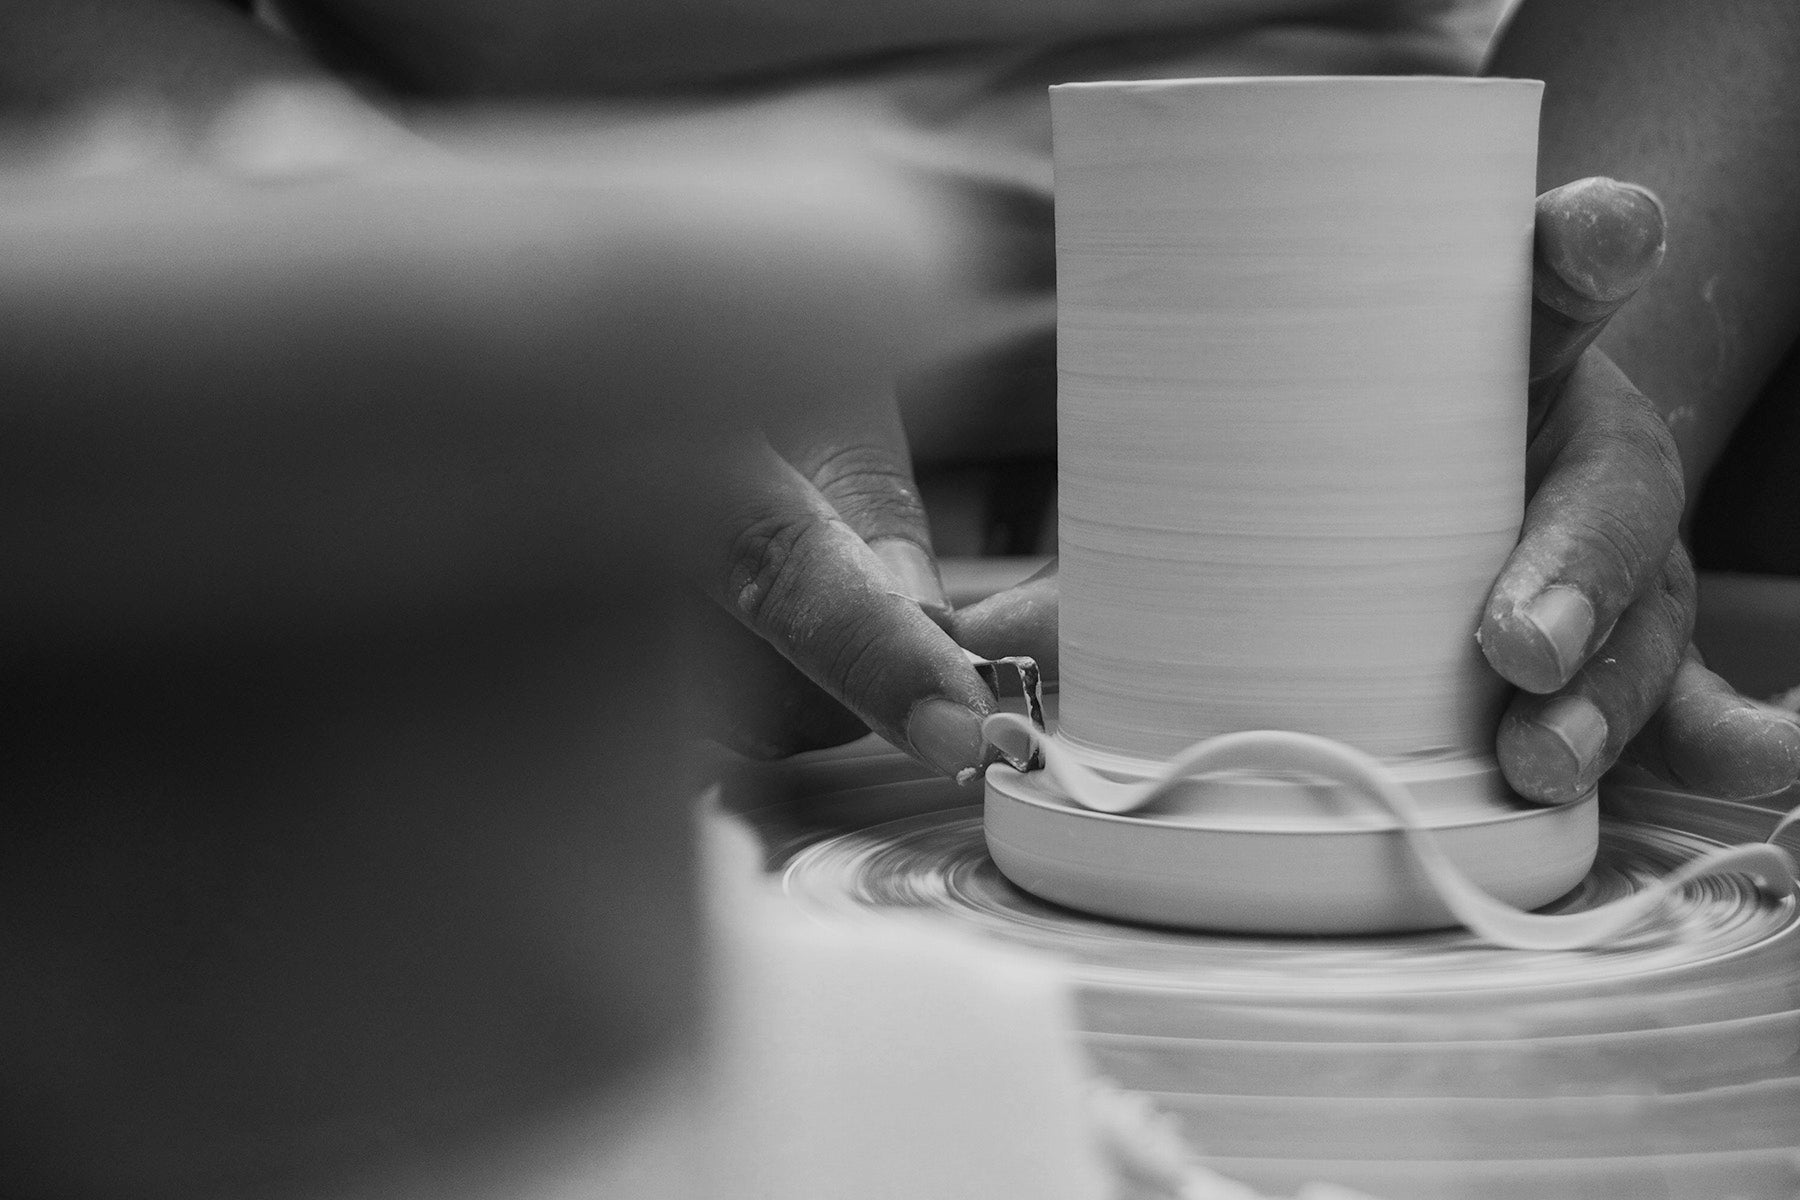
[(948, 736), (1563, 620), (1606, 250), (1779, 721), (1540, 646), (1579, 725), (1643, 250), (915, 573), (1554, 754)]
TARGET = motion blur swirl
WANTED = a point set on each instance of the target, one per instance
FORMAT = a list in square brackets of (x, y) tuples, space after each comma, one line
[(1422, 1065)]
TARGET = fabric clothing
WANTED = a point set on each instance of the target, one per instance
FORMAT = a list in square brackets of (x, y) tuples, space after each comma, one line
[(1747, 518)]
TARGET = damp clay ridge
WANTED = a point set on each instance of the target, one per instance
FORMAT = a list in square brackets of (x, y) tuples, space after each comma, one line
[(1342, 767)]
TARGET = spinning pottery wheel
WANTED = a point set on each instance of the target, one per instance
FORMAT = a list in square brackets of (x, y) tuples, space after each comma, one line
[(1420, 1065), (1291, 421)]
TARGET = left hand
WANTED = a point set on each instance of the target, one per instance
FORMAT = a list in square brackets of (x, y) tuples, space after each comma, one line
[(1592, 615), (828, 617), (827, 606)]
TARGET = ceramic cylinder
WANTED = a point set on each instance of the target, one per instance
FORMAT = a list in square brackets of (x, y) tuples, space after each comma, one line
[(1293, 321)]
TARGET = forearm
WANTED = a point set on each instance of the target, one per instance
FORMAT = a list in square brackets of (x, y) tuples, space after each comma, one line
[(1701, 103)]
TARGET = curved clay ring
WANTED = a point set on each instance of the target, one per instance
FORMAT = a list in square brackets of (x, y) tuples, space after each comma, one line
[(1286, 753)]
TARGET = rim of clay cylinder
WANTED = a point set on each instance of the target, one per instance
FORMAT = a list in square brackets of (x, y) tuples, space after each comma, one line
[(1335, 81)]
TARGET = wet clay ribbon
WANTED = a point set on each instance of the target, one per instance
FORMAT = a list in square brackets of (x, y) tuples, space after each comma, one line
[(1280, 752)]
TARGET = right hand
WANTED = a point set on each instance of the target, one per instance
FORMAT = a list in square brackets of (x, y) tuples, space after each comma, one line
[(828, 614), (820, 554)]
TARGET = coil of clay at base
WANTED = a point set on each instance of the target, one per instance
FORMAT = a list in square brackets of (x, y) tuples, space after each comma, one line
[(1283, 752)]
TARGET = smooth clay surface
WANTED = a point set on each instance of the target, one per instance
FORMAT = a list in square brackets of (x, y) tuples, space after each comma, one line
[(1293, 332)]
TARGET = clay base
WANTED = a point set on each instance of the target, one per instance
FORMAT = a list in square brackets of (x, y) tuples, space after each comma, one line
[(1199, 870)]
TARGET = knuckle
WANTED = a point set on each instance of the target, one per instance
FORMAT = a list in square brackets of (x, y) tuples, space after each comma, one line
[(1647, 654), (1623, 491), (764, 558), (1650, 438), (870, 481), (1616, 546), (1631, 431), (1678, 574), (1678, 591), (786, 581)]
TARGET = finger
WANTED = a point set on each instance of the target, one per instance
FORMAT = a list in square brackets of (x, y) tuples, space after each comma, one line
[(1599, 526), (1553, 749), (1022, 620), (1710, 740), (787, 566), (859, 462), (1598, 241)]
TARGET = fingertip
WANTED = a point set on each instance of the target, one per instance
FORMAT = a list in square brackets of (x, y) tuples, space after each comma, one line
[(1599, 240), (1540, 644), (1743, 752), (1022, 620), (947, 736), (1779, 732), (1553, 753)]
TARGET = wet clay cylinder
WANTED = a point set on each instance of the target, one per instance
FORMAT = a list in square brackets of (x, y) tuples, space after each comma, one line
[(1293, 332), (1293, 321)]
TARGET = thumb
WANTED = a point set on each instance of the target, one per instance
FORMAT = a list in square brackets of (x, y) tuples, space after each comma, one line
[(858, 461), (786, 565), (1021, 620), (1598, 241)]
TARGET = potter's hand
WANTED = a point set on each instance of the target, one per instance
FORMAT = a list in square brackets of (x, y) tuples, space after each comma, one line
[(822, 553), (1020, 620), (1592, 614)]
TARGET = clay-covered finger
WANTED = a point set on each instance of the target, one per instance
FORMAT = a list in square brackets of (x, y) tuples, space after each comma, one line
[(1022, 620), (1598, 241), (1553, 749), (1708, 739), (858, 460), (783, 562), (1604, 516)]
